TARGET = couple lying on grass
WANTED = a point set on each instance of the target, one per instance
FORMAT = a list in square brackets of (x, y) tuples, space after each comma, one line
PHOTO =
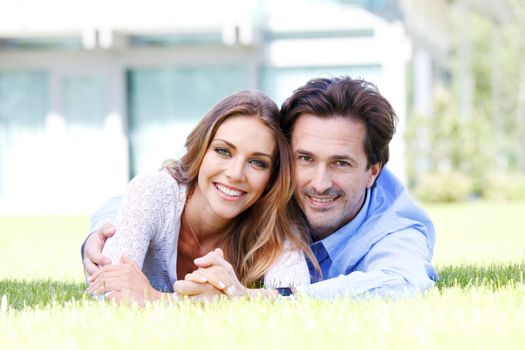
[(270, 203)]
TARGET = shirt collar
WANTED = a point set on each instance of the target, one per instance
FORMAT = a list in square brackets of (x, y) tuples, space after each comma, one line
[(336, 241)]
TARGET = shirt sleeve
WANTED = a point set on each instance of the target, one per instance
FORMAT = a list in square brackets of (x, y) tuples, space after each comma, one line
[(399, 265), (290, 270), (136, 222), (105, 214)]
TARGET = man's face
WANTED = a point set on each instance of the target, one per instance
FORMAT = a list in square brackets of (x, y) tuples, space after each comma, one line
[(331, 170)]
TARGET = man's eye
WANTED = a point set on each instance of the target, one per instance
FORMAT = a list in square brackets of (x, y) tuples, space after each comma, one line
[(259, 163), (305, 158), (342, 163), (222, 151)]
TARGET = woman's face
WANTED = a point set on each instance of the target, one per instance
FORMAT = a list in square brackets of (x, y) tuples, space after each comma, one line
[(236, 167)]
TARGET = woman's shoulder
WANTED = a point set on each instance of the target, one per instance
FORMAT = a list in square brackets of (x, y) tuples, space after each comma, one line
[(289, 270), (157, 184)]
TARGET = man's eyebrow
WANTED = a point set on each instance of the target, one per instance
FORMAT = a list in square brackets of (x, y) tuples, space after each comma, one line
[(343, 157), (333, 157), (302, 152), (258, 154)]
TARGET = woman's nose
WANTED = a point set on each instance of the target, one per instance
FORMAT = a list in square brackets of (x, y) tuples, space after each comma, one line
[(235, 170)]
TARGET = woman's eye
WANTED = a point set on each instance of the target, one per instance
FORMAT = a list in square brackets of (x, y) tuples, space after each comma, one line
[(222, 151), (259, 163)]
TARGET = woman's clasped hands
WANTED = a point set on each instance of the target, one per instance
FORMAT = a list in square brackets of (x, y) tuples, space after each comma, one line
[(214, 277)]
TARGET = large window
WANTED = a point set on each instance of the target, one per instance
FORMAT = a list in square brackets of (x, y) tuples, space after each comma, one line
[(280, 83), (164, 104), (56, 150), (85, 100), (24, 104)]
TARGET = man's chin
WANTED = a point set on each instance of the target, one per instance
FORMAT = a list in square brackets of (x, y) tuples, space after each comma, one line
[(321, 229)]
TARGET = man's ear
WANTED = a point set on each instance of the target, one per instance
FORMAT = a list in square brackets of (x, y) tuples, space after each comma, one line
[(374, 173)]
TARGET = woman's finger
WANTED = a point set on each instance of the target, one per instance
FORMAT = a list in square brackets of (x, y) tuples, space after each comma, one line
[(219, 252), (190, 288), (195, 277), (216, 276), (118, 284), (212, 259), (107, 280), (105, 269)]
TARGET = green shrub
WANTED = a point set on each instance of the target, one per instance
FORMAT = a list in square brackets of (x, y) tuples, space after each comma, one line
[(444, 187), (505, 186)]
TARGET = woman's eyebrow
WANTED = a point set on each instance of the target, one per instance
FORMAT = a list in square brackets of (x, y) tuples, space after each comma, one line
[(226, 142), (260, 154)]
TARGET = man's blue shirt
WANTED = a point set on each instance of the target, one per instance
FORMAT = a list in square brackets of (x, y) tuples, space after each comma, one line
[(385, 250)]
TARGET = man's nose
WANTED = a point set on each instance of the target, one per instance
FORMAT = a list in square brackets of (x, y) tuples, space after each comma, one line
[(235, 170), (321, 180)]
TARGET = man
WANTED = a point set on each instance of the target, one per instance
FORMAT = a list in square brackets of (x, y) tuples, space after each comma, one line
[(368, 235)]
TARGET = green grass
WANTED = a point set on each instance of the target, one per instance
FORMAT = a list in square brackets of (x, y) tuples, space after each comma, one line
[(41, 293), (453, 319), (479, 301), (479, 233)]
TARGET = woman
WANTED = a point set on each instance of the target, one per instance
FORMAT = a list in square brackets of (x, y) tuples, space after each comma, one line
[(229, 191)]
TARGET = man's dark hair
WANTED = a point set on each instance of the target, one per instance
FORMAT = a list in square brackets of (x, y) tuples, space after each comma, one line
[(349, 98)]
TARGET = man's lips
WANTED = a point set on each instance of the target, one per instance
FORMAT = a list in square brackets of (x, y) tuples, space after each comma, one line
[(321, 201)]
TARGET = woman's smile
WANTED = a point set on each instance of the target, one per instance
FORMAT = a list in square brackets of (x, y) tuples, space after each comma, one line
[(229, 192)]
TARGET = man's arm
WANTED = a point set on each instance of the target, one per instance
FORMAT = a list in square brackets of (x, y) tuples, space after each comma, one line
[(102, 227), (398, 265), (105, 214)]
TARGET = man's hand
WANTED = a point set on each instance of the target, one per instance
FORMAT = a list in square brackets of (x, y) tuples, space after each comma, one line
[(93, 258)]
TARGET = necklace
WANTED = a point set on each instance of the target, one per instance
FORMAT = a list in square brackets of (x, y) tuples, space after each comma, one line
[(191, 229)]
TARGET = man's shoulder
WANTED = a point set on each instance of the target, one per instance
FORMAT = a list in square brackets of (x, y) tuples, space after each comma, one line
[(392, 207), (389, 210), (388, 184), (389, 192)]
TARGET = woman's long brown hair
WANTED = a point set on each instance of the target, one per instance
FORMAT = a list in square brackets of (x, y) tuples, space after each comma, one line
[(255, 238)]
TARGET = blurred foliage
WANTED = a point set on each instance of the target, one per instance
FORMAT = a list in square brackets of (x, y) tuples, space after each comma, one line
[(488, 141), (451, 186), (506, 186)]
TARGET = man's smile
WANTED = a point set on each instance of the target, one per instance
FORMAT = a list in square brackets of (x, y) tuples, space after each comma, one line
[(321, 201)]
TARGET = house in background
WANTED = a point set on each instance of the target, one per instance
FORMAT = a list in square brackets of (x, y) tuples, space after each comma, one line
[(94, 92)]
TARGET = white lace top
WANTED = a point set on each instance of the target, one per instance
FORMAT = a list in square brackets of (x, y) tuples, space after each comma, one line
[(148, 225)]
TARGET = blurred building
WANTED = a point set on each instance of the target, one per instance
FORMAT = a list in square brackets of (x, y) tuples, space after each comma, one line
[(93, 92)]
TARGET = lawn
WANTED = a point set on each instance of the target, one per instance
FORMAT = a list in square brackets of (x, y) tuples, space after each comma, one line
[(479, 302)]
